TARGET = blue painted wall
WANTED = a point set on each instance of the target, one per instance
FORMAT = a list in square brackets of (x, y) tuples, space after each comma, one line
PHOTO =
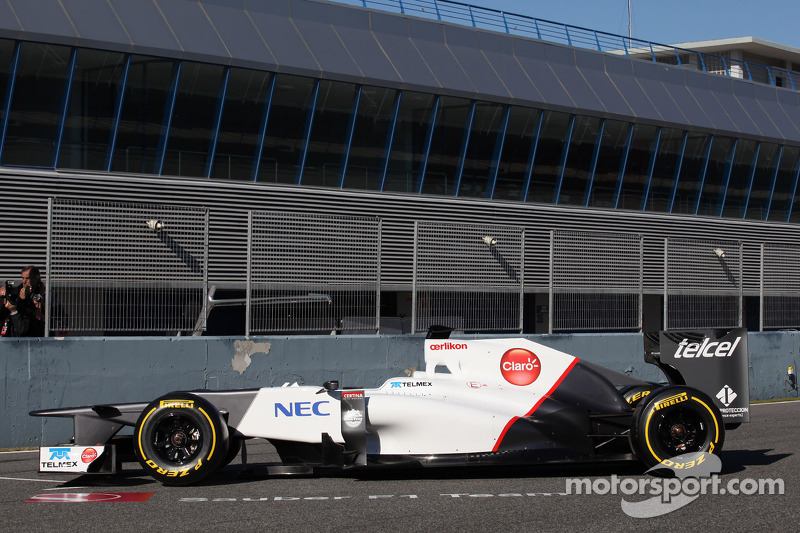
[(48, 373)]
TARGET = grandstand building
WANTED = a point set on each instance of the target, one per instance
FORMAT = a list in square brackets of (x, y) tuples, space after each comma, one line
[(428, 110)]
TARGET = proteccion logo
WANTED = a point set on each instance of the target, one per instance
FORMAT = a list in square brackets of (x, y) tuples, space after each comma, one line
[(520, 366)]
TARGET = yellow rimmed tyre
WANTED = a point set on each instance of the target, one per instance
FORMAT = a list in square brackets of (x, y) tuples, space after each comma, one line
[(180, 439), (675, 420)]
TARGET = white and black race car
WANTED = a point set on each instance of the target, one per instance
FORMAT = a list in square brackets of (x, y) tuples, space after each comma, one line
[(477, 402)]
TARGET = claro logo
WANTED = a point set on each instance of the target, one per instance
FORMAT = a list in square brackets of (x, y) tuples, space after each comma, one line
[(691, 350), (520, 366)]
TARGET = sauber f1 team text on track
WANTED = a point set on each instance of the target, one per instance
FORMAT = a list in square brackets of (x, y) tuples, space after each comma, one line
[(477, 402)]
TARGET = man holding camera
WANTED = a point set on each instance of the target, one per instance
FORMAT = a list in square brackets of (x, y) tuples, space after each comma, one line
[(23, 306)]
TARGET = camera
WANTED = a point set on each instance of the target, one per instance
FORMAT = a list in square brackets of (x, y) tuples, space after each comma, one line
[(12, 293)]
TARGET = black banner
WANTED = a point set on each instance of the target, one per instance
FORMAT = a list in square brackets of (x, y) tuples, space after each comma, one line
[(715, 362)]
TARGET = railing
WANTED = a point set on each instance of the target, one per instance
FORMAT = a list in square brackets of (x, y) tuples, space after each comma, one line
[(546, 30)]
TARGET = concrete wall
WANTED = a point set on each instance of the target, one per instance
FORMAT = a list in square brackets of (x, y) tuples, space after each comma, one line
[(49, 373)]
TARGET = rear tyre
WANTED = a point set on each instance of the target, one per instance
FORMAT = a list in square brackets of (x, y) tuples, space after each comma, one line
[(675, 420), (180, 439)]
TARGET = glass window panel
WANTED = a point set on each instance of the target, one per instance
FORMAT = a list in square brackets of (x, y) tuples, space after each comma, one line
[(609, 168), (408, 146), (762, 181), (193, 118), (585, 136), (739, 183), (287, 122), (637, 170), (547, 165), (239, 127), (482, 149), (6, 58), (522, 123), (664, 172), (448, 138), (719, 161), (92, 106), (142, 115), (36, 105), (694, 162), (329, 133), (785, 184), (795, 215), (367, 152)]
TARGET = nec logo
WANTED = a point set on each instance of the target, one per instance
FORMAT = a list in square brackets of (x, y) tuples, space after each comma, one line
[(302, 409), (691, 350)]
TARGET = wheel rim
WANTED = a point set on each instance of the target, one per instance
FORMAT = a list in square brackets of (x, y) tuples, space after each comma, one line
[(177, 439), (682, 432)]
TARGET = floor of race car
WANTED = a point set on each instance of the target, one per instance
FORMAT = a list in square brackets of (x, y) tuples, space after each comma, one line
[(243, 498)]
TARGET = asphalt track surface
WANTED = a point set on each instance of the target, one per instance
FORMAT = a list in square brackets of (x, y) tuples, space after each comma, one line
[(241, 498)]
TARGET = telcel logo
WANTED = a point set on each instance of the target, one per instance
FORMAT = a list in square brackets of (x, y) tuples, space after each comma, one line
[(689, 350), (302, 409), (520, 366)]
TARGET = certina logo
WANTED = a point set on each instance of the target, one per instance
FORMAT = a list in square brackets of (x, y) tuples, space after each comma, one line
[(401, 384), (359, 394), (689, 350), (291, 409), (520, 366), (449, 346)]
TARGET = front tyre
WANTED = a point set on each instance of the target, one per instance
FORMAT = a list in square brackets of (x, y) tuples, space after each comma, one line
[(180, 439), (675, 420)]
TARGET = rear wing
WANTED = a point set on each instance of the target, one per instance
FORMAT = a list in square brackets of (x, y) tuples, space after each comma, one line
[(713, 361)]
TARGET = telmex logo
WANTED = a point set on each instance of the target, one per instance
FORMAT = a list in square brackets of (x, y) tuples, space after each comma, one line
[(59, 453), (520, 366), (690, 350), (449, 346), (302, 409)]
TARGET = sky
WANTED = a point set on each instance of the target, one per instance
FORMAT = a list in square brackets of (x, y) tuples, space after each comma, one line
[(669, 21)]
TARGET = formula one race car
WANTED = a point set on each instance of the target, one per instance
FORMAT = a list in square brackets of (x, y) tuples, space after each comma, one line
[(478, 402)]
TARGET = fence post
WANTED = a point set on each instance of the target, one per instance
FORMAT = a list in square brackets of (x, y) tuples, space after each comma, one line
[(414, 280), (522, 282), (666, 275), (378, 273), (48, 295), (249, 267), (551, 306), (761, 289)]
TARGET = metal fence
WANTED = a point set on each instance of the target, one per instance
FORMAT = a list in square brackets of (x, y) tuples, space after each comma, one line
[(595, 281), (313, 273), (702, 284), (556, 32), (780, 286), (468, 277), (125, 267)]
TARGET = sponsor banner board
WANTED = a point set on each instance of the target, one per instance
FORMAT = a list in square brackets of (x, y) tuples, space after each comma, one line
[(76, 459), (715, 362)]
